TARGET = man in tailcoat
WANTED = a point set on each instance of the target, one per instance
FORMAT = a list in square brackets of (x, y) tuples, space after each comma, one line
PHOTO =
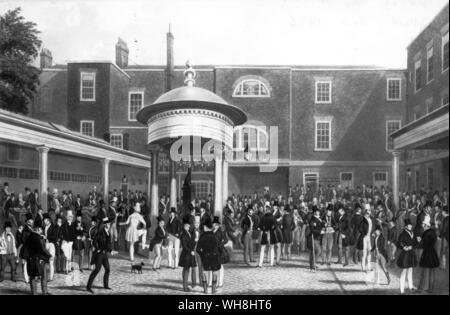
[(344, 236), (316, 231), (247, 226), (102, 245)]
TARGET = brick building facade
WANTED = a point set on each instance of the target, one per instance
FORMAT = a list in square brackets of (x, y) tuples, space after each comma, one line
[(333, 121)]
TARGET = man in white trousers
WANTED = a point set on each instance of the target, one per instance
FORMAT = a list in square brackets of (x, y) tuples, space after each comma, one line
[(173, 228)]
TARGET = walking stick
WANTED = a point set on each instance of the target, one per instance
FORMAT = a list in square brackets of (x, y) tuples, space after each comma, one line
[(314, 251)]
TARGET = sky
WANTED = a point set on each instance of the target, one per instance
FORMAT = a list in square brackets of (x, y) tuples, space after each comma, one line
[(233, 32)]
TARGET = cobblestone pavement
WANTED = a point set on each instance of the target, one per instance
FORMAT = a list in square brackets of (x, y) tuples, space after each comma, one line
[(291, 277)]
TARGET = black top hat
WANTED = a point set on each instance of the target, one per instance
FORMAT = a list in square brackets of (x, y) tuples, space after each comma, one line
[(287, 208), (160, 218), (173, 209), (379, 203), (28, 216), (275, 203), (357, 206), (428, 203), (330, 207), (186, 220), (208, 222), (7, 225), (46, 216), (445, 209), (408, 222), (79, 213), (314, 208), (94, 218), (216, 220)]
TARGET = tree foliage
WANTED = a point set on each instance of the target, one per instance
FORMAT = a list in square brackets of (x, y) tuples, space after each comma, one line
[(19, 46)]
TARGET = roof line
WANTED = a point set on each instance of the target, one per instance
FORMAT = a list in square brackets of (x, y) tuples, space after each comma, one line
[(101, 61), (427, 25)]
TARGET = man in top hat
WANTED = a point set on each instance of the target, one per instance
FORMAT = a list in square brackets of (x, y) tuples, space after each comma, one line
[(344, 236), (26, 233), (8, 252), (102, 245), (247, 226), (68, 232), (112, 216), (38, 259), (39, 219), (77, 204), (208, 249), (174, 229), (354, 224), (365, 242), (316, 230), (49, 237), (328, 236)]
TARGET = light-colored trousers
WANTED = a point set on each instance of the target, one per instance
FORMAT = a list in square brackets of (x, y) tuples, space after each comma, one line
[(263, 252), (66, 248), (51, 249), (173, 250)]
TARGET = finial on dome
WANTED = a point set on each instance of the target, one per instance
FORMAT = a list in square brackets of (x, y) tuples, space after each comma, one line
[(189, 74)]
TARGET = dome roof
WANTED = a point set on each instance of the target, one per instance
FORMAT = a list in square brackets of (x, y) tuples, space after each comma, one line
[(191, 97)]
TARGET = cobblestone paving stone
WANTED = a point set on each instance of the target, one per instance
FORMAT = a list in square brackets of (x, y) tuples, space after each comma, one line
[(291, 277)]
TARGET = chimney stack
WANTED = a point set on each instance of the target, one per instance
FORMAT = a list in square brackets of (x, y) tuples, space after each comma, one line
[(122, 53), (170, 62), (46, 58)]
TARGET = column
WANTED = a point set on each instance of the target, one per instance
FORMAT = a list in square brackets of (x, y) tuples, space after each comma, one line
[(173, 184), (218, 182), (105, 178), (43, 177), (149, 186), (225, 182), (154, 183), (396, 178)]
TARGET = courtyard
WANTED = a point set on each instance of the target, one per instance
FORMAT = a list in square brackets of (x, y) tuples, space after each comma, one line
[(291, 277)]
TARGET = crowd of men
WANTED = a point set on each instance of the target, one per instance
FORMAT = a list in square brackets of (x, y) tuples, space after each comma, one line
[(362, 224)]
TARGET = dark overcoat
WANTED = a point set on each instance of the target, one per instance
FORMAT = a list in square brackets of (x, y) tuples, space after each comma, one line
[(407, 258), (187, 260), (208, 249)]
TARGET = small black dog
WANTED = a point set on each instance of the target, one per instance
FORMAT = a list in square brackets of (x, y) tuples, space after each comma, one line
[(137, 268)]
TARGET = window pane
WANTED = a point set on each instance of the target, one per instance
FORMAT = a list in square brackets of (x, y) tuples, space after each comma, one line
[(13, 152), (394, 89), (136, 102), (253, 88), (445, 52), (391, 127), (323, 135), (87, 128), (323, 92), (88, 86), (430, 65), (418, 75)]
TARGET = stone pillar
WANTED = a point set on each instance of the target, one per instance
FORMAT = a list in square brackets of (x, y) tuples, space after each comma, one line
[(173, 184), (154, 183), (43, 177), (218, 182), (225, 182), (149, 186), (396, 178), (105, 178)]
